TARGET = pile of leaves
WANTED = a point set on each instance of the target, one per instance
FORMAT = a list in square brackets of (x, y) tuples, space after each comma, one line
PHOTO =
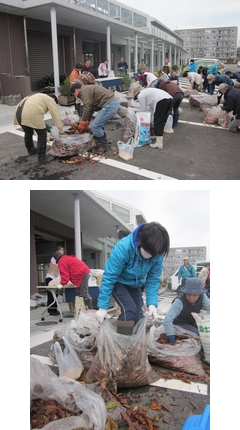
[(45, 411)]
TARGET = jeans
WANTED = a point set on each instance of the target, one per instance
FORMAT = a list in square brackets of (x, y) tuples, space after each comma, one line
[(102, 117), (154, 84), (130, 302)]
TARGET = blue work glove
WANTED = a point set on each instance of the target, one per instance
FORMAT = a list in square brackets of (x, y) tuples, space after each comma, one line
[(171, 338)]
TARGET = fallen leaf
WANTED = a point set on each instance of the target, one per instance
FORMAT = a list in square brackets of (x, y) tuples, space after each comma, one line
[(155, 406), (166, 420)]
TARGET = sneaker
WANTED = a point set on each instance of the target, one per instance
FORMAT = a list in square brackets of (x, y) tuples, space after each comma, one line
[(99, 149), (32, 151), (45, 160)]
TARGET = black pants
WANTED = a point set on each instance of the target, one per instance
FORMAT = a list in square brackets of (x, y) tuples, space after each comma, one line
[(176, 101), (28, 135), (50, 298), (160, 115)]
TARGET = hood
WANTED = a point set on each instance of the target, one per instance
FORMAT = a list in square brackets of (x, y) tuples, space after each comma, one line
[(135, 234)]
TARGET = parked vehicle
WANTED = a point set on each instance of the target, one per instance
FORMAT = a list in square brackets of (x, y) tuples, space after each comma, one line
[(205, 62), (173, 284)]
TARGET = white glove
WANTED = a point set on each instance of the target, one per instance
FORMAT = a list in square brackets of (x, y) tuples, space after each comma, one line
[(101, 314), (152, 310), (59, 286)]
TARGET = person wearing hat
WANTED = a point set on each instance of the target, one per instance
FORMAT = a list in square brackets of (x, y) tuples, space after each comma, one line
[(192, 299), (217, 80), (185, 271), (76, 271), (194, 79), (96, 98), (231, 103), (215, 69), (159, 103), (192, 66)]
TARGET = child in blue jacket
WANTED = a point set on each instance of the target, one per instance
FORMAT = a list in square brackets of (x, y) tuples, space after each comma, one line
[(135, 261)]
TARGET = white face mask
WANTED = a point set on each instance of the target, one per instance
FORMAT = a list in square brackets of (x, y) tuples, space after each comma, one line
[(145, 254)]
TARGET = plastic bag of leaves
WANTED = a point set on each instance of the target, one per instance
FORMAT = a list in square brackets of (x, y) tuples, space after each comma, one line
[(85, 409), (121, 359), (183, 355)]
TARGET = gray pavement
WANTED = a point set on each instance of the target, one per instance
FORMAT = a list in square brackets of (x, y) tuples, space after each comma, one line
[(182, 399), (194, 152)]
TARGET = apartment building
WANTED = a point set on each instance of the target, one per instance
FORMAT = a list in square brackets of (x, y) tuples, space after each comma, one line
[(175, 258), (218, 43)]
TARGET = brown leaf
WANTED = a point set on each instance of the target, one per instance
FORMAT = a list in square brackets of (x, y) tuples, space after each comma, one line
[(166, 420), (190, 413), (153, 389), (155, 406), (193, 404)]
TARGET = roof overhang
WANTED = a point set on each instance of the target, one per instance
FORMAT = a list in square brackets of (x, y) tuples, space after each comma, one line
[(96, 220)]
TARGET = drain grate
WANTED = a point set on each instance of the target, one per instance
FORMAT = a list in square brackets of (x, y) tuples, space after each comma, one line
[(47, 323)]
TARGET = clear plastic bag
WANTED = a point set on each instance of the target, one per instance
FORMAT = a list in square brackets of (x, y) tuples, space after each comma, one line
[(122, 359), (69, 364), (75, 397), (126, 149), (183, 356), (169, 123)]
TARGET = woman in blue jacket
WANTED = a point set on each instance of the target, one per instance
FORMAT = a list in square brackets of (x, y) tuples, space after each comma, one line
[(135, 261)]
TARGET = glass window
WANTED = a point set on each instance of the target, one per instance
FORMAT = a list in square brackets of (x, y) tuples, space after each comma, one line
[(139, 21), (103, 6), (122, 212), (126, 16), (114, 10)]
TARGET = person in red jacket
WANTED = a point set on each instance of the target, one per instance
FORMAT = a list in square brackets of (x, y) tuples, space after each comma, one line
[(74, 270)]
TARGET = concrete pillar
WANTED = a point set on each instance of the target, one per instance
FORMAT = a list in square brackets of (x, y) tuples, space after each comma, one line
[(55, 49), (136, 53), (163, 54), (74, 46), (152, 57), (77, 226), (26, 44), (109, 47)]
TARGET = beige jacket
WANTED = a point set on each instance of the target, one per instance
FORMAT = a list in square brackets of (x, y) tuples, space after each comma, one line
[(35, 107)]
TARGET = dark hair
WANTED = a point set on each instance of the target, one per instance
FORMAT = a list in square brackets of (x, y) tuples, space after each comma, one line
[(79, 66), (191, 61), (228, 72), (154, 239), (122, 233), (185, 74), (53, 97), (75, 86), (59, 247)]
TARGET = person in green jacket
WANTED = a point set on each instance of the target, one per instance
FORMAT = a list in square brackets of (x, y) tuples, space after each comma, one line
[(186, 271)]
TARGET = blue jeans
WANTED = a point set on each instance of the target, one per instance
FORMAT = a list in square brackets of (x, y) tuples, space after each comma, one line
[(154, 84), (130, 302), (102, 117)]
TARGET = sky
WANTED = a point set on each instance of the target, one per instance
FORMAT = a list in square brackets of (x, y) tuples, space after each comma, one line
[(188, 14), (180, 212)]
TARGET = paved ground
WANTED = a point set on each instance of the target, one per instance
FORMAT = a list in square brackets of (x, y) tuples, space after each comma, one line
[(179, 399), (194, 152)]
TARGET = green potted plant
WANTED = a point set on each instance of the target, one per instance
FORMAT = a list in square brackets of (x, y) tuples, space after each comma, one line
[(66, 97), (126, 81)]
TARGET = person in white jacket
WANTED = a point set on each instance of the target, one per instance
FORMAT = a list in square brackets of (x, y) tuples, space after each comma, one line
[(195, 80), (158, 102), (148, 79)]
